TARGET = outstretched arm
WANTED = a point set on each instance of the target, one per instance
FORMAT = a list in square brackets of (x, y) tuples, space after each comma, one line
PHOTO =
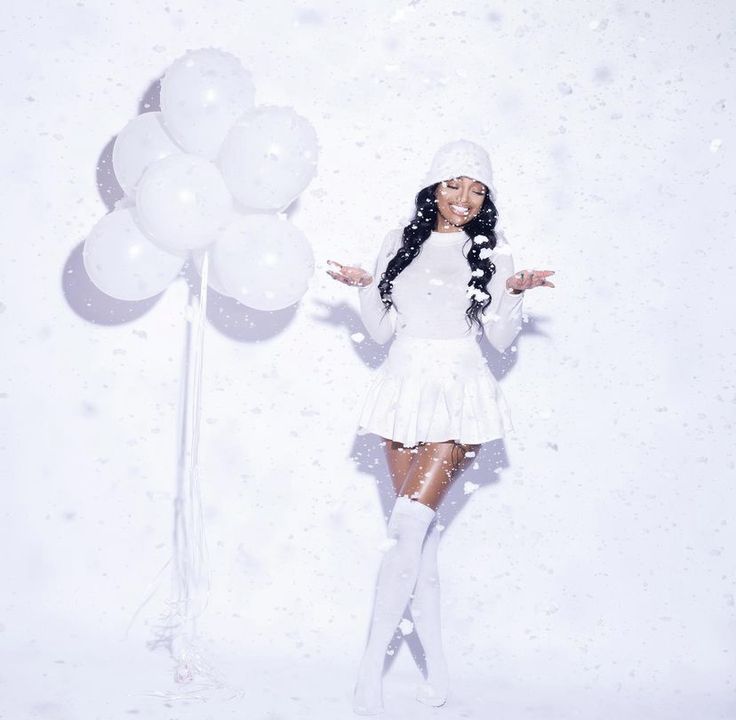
[(380, 326), (502, 318)]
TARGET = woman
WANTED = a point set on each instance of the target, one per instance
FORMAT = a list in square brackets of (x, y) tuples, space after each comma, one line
[(434, 401)]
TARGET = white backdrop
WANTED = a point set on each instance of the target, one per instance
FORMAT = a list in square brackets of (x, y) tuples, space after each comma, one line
[(590, 575)]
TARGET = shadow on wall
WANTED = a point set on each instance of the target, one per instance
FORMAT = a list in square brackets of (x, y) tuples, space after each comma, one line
[(346, 322)]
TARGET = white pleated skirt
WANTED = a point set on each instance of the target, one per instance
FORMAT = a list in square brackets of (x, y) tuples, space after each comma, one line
[(432, 390)]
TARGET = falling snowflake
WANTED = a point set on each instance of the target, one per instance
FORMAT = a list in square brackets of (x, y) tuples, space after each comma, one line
[(477, 294), (406, 626)]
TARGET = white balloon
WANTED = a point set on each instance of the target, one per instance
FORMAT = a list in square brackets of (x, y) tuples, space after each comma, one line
[(123, 263), (263, 261), (269, 157), (142, 141), (202, 94), (213, 280), (183, 202)]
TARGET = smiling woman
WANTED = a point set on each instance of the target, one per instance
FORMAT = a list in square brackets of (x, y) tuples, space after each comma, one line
[(434, 401)]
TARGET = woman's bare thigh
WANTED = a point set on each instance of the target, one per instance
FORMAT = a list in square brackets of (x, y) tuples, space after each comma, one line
[(399, 460), (435, 466)]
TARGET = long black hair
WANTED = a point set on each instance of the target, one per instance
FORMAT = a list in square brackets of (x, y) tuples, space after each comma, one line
[(420, 228)]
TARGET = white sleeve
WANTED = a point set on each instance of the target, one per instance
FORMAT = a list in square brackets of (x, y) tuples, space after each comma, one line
[(502, 318), (380, 326)]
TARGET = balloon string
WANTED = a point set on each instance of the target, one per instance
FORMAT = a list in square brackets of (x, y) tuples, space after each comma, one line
[(190, 577), (196, 504), (194, 577)]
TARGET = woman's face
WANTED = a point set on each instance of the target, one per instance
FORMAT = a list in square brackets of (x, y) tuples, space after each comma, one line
[(458, 201)]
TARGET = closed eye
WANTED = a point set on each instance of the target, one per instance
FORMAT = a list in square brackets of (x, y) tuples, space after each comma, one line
[(477, 192)]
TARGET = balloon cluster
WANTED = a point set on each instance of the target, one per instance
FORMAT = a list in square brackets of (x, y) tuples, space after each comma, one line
[(210, 173)]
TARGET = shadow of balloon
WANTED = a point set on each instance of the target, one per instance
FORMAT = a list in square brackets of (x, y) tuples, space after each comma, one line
[(235, 320), (293, 208), (107, 184), (90, 303)]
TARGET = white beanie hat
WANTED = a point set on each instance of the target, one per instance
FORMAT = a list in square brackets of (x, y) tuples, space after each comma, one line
[(461, 157)]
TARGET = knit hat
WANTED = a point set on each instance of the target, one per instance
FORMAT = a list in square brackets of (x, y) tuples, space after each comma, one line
[(461, 157)]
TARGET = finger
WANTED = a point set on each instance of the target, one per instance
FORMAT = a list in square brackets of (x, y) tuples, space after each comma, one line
[(535, 273), (529, 279), (343, 279), (334, 262), (335, 275)]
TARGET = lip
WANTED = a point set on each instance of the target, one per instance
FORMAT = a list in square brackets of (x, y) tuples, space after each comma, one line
[(459, 214)]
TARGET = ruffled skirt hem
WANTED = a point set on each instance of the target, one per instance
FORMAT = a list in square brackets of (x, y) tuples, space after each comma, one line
[(433, 390)]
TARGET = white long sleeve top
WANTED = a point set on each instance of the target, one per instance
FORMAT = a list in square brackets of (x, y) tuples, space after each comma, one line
[(430, 294)]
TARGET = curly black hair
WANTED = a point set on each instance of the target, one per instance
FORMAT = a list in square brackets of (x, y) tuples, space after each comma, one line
[(420, 228)]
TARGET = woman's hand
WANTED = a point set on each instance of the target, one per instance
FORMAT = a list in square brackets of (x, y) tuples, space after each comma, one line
[(526, 279), (350, 275)]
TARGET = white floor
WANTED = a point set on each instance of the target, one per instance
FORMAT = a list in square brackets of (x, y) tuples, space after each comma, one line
[(69, 677)]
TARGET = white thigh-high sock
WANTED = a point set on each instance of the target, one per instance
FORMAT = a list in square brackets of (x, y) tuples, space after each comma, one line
[(397, 577), (425, 612)]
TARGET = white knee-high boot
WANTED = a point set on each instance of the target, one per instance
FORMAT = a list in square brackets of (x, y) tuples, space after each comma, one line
[(397, 577), (425, 612)]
